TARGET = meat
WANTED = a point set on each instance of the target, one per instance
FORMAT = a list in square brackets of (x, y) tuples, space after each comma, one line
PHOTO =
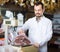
[(21, 40)]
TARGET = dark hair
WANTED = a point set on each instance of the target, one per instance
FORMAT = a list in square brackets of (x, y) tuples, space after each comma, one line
[(39, 3)]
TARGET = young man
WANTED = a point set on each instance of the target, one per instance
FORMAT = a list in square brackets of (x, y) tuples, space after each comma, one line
[(40, 28)]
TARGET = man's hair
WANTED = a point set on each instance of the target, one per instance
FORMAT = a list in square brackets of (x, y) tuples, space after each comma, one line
[(39, 3)]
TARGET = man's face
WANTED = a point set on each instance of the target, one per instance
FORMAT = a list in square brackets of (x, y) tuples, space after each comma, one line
[(38, 10)]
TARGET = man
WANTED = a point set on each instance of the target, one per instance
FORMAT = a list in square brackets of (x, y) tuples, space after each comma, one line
[(40, 28)]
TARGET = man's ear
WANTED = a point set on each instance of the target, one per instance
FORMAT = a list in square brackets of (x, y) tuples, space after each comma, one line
[(43, 9)]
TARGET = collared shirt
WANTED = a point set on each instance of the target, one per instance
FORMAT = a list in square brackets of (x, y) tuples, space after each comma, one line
[(40, 32)]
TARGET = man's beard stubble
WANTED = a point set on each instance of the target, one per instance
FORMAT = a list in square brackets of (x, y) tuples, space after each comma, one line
[(38, 17)]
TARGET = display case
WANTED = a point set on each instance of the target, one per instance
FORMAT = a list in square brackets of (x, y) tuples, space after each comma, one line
[(56, 23), (56, 30)]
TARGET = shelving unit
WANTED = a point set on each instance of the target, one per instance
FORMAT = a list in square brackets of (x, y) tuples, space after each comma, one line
[(56, 30)]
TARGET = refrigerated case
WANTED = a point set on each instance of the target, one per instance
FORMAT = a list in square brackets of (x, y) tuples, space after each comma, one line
[(56, 30), (56, 23)]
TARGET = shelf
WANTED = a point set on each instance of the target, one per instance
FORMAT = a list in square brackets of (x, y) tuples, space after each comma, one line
[(57, 42), (55, 39)]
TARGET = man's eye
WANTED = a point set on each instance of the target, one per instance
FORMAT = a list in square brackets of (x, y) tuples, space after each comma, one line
[(37, 10)]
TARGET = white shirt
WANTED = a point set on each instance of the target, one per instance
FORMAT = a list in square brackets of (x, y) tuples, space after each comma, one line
[(40, 32)]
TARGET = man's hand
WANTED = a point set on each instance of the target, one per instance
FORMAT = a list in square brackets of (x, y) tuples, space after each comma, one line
[(21, 32), (36, 45)]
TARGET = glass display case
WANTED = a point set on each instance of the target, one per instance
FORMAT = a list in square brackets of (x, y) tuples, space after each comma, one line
[(56, 23), (56, 30)]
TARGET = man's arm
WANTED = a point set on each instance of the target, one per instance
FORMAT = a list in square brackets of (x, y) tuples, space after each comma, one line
[(46, 38), (48, 34)]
